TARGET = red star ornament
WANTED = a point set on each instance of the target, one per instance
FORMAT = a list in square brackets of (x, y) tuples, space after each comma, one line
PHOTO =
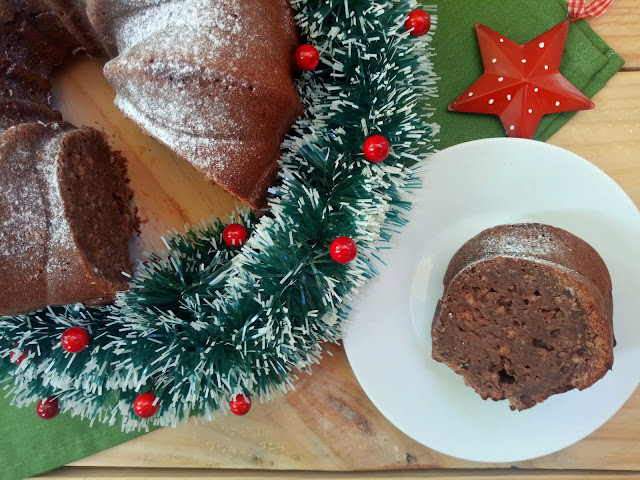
[(521, 83)]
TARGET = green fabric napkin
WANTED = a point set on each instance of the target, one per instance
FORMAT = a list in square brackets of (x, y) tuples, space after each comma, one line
[(588, 62), (29, 445)]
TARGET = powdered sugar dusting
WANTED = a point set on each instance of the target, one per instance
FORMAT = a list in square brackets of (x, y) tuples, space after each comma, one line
[(173, 19), (515, 241), (167, 87), (207, 79), (199, 149), (60, 242), (34, 234), (533, 242), (23, 223)]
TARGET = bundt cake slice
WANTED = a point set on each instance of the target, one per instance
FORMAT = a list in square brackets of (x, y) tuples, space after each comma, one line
[(66, 219), (526, 313), (211, 80)]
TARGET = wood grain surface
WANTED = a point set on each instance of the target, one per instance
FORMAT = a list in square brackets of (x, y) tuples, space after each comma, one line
[(328, 423), (75, 473), (620, 28)]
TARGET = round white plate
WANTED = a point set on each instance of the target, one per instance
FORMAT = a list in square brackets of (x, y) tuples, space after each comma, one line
[(468, 188)]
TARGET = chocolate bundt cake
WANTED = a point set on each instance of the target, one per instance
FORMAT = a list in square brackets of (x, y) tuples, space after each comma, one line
[(211, 80), (526, 313), (65, 218), (66, 221)]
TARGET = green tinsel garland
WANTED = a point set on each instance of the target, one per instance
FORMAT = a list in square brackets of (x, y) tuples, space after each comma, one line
[(204, 321)]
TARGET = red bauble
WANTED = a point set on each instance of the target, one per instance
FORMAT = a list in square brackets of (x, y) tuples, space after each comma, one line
[(419, 22), (75, 339), (241, 405), (143, 405), (343, 250), (521, 83), (18, 357), (48, 408), (307, 57), (235, 235), (376, 148)]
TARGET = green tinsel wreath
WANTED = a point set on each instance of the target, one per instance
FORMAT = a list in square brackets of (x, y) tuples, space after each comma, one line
[(204, 322)]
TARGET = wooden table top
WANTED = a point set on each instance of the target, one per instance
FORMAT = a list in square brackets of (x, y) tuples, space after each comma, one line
[(328, 424)]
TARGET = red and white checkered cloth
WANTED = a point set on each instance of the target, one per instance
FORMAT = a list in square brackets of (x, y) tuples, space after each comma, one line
[(596, 8)]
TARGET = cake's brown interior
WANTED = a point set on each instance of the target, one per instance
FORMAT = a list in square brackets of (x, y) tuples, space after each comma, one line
[(97, 202), (521, 332)]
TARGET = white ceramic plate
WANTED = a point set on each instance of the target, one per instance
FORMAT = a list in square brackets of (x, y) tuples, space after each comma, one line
[(468, 188)]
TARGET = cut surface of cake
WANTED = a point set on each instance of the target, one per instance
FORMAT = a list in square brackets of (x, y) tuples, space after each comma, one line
[(526, 313)]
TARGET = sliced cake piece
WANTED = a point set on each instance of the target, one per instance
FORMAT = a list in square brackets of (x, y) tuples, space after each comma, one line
[(526, 313), (66, 218)]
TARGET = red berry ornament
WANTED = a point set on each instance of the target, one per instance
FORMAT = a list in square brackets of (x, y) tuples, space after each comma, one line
[(376, 148), (419, 22), (144, 406), (307, 57), (234, 235), (343, 250), (48, 408), (18, 357), (241, 405), (75, 339)]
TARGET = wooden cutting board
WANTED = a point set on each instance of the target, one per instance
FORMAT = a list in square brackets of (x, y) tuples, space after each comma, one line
[(327, 423)]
